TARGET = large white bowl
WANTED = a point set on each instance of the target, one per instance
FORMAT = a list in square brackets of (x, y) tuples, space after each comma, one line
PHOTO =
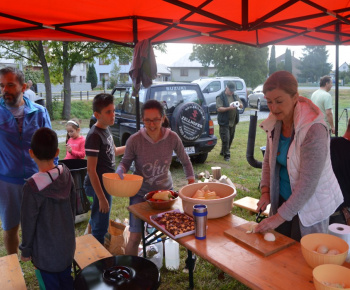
[(216, 207)]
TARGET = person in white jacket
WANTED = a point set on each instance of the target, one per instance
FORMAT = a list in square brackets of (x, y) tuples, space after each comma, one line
[(297, 175)]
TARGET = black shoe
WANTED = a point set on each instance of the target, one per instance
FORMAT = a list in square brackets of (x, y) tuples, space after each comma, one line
[(185, 269), (227, 159)]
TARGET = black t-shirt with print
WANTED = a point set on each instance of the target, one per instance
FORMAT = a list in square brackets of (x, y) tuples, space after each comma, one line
[(99, 143)]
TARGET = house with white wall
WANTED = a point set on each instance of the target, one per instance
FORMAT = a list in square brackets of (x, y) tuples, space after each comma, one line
[(103, 70), (78, 74), (344, 67), (185, 70), (163, 73)]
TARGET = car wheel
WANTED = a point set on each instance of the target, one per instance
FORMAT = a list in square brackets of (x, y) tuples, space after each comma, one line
[(241, 111), (188, 121), (259, 106), (201, 158)]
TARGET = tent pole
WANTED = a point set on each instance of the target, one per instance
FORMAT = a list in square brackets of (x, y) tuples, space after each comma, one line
[(134, 28), (337, 28)]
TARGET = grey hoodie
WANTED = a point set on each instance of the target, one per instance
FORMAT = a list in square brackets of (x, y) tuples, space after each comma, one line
[(47, 221)]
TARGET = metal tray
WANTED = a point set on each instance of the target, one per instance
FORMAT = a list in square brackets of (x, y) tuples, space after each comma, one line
[(152, 217)]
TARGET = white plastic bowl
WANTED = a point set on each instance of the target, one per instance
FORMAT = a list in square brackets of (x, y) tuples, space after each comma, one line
[(216, 207)]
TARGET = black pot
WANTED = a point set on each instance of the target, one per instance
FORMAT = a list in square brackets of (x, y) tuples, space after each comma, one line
[(119, 272)]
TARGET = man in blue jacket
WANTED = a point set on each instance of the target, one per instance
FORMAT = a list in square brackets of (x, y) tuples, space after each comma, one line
[(19, 119)]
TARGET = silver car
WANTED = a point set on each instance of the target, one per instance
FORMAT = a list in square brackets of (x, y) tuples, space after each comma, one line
[(256, 99)]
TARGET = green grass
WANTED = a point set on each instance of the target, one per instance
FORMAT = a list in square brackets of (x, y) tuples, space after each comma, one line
[(238, 170), (79, 109)]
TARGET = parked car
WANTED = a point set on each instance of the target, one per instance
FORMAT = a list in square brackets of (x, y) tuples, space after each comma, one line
[(185, 108), (212, 87), (256, 99)]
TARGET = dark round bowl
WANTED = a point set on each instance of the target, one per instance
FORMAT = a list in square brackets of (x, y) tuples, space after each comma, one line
[(164, 204)]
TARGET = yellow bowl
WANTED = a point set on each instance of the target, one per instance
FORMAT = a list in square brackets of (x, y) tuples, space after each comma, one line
[(216, 207), (309, 244), (328, 276), (126, 187)]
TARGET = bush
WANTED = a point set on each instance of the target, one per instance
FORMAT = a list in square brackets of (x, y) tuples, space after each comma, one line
[(79, 109)]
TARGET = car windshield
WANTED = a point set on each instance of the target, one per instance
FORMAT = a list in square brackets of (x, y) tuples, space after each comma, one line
[(258, 89), (173, 95)]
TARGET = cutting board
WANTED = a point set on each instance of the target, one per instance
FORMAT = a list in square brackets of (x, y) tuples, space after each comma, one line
[(256, 240)]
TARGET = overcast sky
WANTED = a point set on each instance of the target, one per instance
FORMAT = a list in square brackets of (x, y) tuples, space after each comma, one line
[(176, 51)]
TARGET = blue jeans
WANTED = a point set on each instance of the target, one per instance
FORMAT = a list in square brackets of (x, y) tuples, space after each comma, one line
[(58, 281), (99, 221), (10, 204), (135, 222)]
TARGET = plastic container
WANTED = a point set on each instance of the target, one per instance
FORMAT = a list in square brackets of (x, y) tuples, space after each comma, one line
[(172, 255), (153, 255), (160, 246), (157, 259)]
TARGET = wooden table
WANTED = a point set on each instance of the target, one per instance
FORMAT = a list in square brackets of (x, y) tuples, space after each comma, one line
[(11, 273), (285, 269), (251, 204), (88, 250)]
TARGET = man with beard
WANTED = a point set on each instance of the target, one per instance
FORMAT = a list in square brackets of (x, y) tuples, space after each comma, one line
[(19, 119)]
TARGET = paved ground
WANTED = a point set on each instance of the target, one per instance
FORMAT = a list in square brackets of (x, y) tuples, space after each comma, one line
[(246, 115)]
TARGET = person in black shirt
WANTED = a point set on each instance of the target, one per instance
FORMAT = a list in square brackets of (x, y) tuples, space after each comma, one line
[(340, 156)]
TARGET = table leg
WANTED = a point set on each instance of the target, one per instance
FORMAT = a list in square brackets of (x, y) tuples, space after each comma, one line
[(143, 238), (190, 268), (76, 269)]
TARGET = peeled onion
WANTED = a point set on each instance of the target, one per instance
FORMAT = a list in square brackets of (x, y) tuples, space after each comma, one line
[(333, 252), (322, 249), (270, 237)]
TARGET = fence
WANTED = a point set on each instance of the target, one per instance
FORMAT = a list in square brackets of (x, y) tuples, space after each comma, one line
[(76, 96)]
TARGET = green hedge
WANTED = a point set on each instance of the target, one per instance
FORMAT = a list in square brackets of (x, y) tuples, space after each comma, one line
[(79, 109)]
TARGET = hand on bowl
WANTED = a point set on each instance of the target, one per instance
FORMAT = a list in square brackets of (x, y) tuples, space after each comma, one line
[(120, 172)]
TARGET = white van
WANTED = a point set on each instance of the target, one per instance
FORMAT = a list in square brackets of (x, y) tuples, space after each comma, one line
[(212, 87)]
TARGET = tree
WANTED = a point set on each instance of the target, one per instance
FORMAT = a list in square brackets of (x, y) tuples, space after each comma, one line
[(91, 76), (114, 76), (32, 52), (64, 55), (288, 61), (314, 63), (272, 62), (249, 63)]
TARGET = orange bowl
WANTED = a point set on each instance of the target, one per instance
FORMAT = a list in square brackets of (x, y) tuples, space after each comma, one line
[(162, 204), (126, 187), (329, 276), (216, 207), (309, 244)]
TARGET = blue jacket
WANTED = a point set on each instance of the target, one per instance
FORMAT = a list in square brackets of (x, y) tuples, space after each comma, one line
[(16, 164)]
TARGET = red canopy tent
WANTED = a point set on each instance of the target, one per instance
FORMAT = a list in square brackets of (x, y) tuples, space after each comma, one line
[(251, 22)]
